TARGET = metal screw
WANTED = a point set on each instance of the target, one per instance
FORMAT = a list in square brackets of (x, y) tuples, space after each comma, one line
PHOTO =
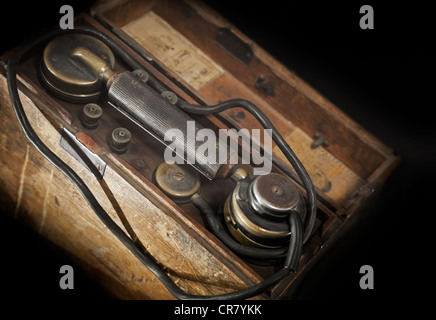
[(170, 96), (142, 75), (277, 190), (179, 176), (320, 141), (264, 86), (120, 140), (90, 115)]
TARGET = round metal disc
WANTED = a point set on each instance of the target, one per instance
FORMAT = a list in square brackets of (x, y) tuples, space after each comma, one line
[(69, 77), (274, 194), (179, 182)]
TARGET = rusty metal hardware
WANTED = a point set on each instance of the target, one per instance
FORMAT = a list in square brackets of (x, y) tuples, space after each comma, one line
[(142, 75), (264, 86), (78, 150), (170, 96), (120, 140), (179, 182), (90, 115), (235, 45), (320, 141)]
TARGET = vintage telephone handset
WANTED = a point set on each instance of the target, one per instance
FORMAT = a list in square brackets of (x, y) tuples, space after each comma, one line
[(264, 214)]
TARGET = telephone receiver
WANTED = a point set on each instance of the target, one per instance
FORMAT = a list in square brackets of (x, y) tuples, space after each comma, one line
[(265, 217)]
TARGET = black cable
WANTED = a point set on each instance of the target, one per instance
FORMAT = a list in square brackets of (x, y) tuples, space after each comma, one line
[(217, 228), (295, 243)]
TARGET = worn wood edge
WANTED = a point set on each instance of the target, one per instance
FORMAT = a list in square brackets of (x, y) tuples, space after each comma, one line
[(381, 174), (103, 5)]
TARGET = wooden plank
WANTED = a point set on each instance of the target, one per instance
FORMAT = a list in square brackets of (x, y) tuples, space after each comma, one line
[(327, 173), (174, 50)]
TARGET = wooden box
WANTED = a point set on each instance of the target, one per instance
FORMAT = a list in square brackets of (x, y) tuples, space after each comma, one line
[(204, 59)]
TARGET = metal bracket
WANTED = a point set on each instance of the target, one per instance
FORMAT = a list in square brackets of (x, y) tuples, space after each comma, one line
[(365, 190), (264, 86), (232, 43), (81, 153), (320, 141)]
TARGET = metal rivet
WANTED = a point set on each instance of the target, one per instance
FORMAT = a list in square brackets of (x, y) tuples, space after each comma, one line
[(170, 96), (320, 141), (142, 75)]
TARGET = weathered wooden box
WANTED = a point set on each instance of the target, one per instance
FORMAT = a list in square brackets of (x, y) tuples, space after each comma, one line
[(204, 59)]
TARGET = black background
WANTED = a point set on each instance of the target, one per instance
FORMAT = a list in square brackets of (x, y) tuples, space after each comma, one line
[(381, 78)]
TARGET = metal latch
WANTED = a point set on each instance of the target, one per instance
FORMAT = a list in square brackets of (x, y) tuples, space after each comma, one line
[(81, 153)]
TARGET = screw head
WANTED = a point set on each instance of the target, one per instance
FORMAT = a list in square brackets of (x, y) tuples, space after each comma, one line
[(142, 75), (90, 114), (120, 139), (170, 96), (179, 182)]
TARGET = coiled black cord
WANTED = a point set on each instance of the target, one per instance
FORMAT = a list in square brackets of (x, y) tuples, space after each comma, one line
[(294, 249), (218, 229)]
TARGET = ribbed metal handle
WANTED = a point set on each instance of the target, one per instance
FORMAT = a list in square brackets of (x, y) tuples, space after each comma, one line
[(157, 116)]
